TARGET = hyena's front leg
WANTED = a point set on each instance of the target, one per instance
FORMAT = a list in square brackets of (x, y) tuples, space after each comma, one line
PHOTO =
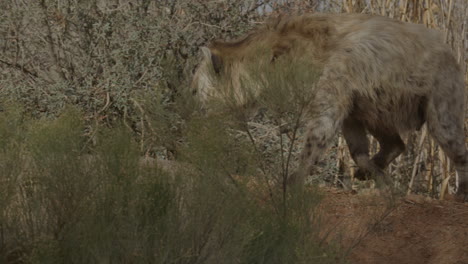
[(320, 132), (330, 106)]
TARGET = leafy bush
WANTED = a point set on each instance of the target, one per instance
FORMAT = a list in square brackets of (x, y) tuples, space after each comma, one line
[(62, 205)]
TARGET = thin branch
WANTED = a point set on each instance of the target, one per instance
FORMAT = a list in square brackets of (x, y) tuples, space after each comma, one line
[(50, 40), (20, 67), (253, 142)]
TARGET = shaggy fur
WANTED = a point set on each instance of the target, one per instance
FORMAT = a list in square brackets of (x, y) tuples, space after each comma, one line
[(379, 75)]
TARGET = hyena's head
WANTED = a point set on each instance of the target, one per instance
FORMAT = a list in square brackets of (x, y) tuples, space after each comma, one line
[(225, 74), (237, 72)]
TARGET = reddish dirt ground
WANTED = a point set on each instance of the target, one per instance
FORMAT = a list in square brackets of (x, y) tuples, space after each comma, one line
[(412, 230)]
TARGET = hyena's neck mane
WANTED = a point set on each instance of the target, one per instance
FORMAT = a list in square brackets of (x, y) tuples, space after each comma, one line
[(282, 35)]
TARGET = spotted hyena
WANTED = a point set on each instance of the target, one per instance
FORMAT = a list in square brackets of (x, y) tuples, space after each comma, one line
[(378, 75)]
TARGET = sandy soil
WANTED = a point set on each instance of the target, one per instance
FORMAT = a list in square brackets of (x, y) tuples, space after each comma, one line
[(380, 229)]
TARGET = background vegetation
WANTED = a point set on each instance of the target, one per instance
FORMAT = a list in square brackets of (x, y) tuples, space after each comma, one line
[(87, 88)]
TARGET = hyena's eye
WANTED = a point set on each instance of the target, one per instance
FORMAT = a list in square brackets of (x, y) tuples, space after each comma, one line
[(194, 69), (273, 58)]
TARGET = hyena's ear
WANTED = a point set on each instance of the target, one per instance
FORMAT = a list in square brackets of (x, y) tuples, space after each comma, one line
[(280, 49), (206, 52), (272, 22), (215, 59), (319, 32)]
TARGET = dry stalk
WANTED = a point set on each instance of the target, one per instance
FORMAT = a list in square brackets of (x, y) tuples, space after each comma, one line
[(444, 170), (340, 157), (417, 159), (430, 171), (449, 18)]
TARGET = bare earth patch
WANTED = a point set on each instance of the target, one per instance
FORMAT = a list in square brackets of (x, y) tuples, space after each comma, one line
[(412, 230)]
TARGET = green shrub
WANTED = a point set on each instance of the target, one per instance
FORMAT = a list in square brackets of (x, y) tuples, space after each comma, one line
[(66, 205)]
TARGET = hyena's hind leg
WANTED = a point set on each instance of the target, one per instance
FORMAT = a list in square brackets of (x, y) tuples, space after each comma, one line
[(445, 117), (354, 133), (391, 146)]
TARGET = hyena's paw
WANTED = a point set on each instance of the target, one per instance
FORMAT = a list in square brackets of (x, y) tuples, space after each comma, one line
[(363, 175), (376, 174)]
